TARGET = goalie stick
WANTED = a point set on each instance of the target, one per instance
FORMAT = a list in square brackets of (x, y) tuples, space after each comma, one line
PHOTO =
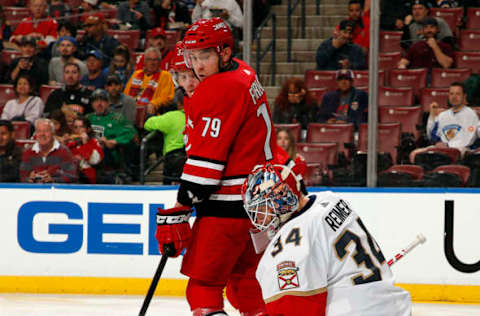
[(419, 240), (156, 277)]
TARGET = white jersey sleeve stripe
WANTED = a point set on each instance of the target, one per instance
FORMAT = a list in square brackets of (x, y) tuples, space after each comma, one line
[(231, 182), (205, 164), (296, 293), (199, 180), (225, 197)]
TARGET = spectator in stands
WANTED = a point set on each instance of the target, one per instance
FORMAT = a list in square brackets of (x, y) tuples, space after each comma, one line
[(135, 15), (413, 30), (171, 14), (39, 26), (294, 104), (286, 141), (346, 104), (29, 63), (10, 154), (339, 52), (65, 28), (73, 96), (26, 106), (120, 103), (48, 160), (121, 65), (157, 39), (5, 28), (151, 86), (430, 52), (59, 120), (96, 38), (456, 127), (227, 10), (67, 46), (58, 9), (359, 14), (86, 149), (393, 14), (87, 7), (95, 79), (115, 133)]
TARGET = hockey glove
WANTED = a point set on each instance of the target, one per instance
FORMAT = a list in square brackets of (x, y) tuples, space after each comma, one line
[(173, 230)]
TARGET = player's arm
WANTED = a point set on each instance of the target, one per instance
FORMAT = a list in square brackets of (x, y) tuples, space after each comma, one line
[(298, 305)]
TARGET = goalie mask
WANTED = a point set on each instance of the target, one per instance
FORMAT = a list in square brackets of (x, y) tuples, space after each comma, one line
[(270, 196)]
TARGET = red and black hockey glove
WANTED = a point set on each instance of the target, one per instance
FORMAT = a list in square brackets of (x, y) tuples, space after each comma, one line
[(173, 230)]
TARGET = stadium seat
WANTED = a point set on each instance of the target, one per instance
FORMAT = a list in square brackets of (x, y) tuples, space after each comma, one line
[(416, 78), (1, 108), (295, 128), (390, 41), (443, 78), (318, 94), (470, 60), (462, 171), (400, 176), (360, 78), (453, 16), (321, 79), (24, 143), (408, 116), (9, 3), (473, 18), (388, 61), (395, 96), (469, 40), (429, 95), (323, 153), (130, 38), (22, 129), (6, 93), (436, 156), (7, 56), (14, 15), (338, 133), (388, 138), (110, 13), (45, 91), (141, 116), (313, 174), (415, 171)]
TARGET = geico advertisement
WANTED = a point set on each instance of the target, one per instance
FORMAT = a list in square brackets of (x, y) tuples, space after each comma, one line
[(110, 231)]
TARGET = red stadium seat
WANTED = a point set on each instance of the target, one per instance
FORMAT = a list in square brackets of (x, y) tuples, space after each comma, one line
[(323, 153), (429, 95), (395, 96), (462, 171), (473, 18), (9, 3), (130, 38), (7, 56), (360, 78), (469, 60), (443, 78), (1, 108), (24, 143), (109, 13), (6, 93), (415, 171), (390, 41), (295, 128), (21, 129), (313, 175), (318, 94), (141, 116), (338, 133), (321, 79), (453, 16), (452, 153), (45, 91), (389, 60), (408, 116), (14, 15), (388, 138), (416, 78), (469, 40)]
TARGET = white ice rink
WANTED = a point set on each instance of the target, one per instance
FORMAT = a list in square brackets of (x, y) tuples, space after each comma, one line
[(86, 305)]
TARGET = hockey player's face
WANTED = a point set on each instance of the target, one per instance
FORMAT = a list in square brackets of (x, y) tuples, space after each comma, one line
[(205, 62), (188, 81)]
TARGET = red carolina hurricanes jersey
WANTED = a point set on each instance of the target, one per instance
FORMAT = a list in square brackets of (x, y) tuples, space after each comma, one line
[(232, 131)]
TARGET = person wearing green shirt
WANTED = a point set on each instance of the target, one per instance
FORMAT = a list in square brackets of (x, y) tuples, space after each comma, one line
[(115, 133)]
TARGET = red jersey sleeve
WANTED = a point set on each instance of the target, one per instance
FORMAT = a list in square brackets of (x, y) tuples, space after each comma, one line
[(290, 305)]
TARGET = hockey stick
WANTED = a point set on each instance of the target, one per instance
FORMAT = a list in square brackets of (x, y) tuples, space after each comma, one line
[(146, 302), (419, 240)]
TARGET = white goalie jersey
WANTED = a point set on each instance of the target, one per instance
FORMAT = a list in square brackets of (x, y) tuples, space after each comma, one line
[(326, 248)]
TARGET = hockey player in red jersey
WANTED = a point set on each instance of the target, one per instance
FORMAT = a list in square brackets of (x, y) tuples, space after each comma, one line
[(232, 132), (319, 259)]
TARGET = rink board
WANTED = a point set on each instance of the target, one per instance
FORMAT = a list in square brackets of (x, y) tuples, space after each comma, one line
[(100, 239)]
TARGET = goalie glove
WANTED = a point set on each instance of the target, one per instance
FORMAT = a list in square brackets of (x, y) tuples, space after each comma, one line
[(173, 230)]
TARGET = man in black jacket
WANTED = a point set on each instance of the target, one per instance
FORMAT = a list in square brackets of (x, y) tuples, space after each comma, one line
[(10, 155)]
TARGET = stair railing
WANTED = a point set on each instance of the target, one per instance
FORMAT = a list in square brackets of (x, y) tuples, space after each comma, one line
[(270, 46), (290, 8)]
